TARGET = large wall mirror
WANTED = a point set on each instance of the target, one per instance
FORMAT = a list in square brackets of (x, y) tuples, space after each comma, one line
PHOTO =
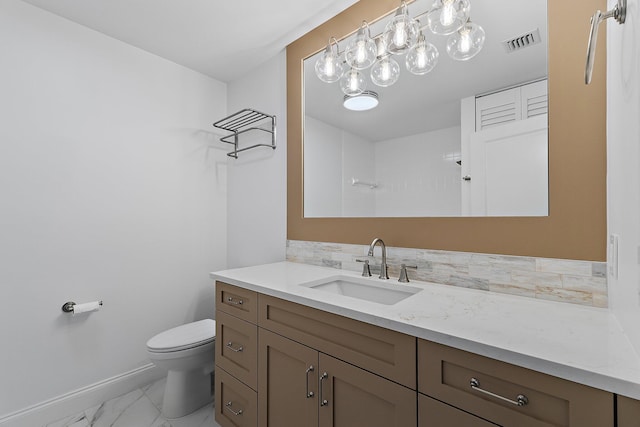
[(419, 152), (566, 220)]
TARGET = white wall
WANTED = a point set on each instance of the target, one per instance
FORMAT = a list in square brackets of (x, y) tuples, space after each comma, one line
[(358, 161), (332, 159), (322, 169), (257, 186), (623, 160), (112, 188), (423, 183)]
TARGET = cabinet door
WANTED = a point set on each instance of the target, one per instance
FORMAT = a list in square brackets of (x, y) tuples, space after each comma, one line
[(353, 397), (433, 413), (628, 412), (288, 381)]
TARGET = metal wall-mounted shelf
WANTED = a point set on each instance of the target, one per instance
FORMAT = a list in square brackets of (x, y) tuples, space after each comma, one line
[(245, 121)]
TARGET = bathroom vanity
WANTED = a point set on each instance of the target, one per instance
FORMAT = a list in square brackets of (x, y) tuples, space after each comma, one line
[(290, 350)]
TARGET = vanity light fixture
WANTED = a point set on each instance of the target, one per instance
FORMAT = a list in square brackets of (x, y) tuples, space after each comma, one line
[(402, 35), (365, 101), (465, 43)]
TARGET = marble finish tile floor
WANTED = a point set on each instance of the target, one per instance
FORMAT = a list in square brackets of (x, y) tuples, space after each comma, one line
[(139, 408)]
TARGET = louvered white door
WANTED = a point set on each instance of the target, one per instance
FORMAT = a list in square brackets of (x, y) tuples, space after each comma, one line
[(533, 98), (498, 109), (507, 106), (509, 169)]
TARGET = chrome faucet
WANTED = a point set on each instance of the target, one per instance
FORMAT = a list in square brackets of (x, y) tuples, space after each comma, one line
[(383, 266)]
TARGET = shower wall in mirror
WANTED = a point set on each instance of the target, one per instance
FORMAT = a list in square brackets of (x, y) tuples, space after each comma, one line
[(469, 138)]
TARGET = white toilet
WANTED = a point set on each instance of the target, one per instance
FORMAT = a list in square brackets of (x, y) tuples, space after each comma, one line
[(187, 353)]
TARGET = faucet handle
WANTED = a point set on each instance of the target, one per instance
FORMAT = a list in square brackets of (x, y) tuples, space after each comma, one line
[(366, 271), (404, 278)]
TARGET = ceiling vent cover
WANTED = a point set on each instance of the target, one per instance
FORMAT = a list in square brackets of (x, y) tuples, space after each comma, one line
[(520, 42)]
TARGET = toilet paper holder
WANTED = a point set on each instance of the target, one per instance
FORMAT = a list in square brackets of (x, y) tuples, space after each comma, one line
[(67, 307)]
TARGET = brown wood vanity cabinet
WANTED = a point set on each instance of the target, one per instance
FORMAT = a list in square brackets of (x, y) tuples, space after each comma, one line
[(281, 364), (504, 394)]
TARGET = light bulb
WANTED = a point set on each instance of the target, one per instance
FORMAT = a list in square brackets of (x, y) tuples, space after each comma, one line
[(328, 67), (361, 53), (385, 72), (400, 34), (448, 14), (464, 44), (421, 56)]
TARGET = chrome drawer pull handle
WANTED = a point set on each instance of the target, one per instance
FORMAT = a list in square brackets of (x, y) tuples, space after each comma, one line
[(309, 393), (521, 399), (231, 301), (237, 350), (323, 402), (236, 413)]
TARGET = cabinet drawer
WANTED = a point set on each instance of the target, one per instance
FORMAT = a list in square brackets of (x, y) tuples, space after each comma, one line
[(446, 374), (237, 348), (236, 404), (239, 302), (433, 413), (384, 352)]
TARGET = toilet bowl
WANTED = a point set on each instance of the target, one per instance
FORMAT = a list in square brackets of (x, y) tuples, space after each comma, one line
[(187, 354)]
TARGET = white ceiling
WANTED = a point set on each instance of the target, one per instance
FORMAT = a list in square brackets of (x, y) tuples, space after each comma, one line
[(225, 39), (222, 39)]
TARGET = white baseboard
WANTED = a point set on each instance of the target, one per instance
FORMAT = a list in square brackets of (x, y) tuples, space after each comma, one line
[(83, 398)]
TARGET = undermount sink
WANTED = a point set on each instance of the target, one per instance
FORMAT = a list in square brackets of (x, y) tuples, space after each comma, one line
[(382, 292)]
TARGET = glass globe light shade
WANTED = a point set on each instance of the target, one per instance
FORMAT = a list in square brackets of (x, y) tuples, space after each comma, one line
[(422, 58), (401, 32), (329, 67), (352, 83), (448, 16), (466, 42), (385, 71), (362, 51)]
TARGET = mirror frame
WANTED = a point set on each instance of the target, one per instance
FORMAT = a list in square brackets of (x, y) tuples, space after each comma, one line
[(576, 227)]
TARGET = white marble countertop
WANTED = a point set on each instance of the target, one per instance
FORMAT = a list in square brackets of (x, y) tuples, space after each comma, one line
[(581, 344)]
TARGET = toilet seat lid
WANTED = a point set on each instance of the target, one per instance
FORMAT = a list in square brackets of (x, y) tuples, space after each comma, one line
[(184, 336)]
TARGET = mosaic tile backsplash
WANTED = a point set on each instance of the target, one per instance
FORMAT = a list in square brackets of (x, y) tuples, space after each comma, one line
[(577, 282)]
